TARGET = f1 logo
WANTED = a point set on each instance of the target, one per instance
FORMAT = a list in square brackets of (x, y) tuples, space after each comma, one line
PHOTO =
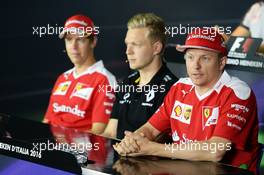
[(238, 43)]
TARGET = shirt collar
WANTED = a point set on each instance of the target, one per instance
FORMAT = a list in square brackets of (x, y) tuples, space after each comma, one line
[(156, 79), (224, 79), (91, 69)]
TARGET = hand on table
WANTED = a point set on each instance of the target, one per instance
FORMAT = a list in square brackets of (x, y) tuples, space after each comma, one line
[(133, 144)]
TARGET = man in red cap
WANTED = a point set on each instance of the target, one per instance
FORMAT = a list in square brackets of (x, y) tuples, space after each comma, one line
[(83, 96), (212, 115)]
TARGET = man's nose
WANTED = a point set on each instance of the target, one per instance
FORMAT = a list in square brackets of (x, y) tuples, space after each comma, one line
[(197, 63), (129, 50), (74, 44)]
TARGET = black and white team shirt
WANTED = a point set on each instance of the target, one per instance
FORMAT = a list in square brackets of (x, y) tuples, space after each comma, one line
[(134, 105)]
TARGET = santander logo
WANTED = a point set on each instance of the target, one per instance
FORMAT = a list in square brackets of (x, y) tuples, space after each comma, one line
[(64, 108)]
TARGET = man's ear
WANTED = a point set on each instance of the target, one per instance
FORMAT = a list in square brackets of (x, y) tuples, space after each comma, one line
[(157, 47), (93, 42), (223, 61)]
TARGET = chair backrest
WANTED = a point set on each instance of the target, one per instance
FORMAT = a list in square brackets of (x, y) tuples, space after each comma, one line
[(260, 169), (258, 88)]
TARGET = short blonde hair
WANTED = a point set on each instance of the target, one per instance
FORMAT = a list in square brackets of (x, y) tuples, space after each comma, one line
[(154, 23)]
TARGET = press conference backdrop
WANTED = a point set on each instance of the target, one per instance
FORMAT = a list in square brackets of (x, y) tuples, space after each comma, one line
[(32, 58)]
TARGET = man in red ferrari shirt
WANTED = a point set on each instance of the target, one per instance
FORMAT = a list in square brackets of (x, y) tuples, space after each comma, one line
[(83, 96), (212, 115)]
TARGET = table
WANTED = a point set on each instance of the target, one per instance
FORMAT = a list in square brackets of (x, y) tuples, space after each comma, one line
[(54, 150)]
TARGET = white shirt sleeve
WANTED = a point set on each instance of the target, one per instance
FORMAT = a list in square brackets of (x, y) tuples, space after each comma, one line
[(251, 14)]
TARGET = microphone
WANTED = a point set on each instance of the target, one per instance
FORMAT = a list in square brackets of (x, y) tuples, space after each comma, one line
[(64, 51), (126, 61)]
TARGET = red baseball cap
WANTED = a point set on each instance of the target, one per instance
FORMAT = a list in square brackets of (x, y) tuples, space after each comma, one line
[(78, 24), (204, 38)]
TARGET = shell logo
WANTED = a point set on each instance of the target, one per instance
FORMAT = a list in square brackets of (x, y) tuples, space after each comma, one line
[(178, 110)]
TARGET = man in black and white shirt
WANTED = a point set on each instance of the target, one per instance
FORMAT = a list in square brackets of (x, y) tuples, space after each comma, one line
[(140, 95)]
